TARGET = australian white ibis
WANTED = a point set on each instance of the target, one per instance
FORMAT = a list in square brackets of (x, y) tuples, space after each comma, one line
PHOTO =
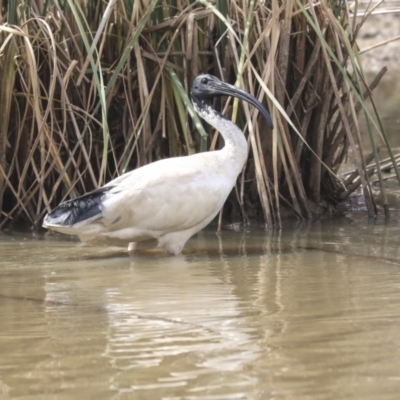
[(164, 203)]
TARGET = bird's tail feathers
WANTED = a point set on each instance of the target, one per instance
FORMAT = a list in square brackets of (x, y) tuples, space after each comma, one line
[(82, 210)]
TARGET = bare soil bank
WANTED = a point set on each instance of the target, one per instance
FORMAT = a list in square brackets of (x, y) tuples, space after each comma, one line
[(377, 29)]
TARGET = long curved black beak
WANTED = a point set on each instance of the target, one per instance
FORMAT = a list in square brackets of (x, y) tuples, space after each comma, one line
[(225, 89)]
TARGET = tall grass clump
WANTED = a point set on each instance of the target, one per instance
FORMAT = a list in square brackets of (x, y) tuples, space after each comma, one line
[(91, 89)]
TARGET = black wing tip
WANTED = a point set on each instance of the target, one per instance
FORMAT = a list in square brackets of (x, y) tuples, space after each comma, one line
[(72, 212)]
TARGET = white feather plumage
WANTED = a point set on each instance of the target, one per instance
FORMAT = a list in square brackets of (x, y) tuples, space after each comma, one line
[(168, 201)]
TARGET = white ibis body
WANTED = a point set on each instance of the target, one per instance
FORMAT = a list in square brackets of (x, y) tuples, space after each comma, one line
[(166, 202)]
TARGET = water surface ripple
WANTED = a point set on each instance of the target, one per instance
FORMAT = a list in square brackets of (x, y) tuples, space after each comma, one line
[(312, 312)]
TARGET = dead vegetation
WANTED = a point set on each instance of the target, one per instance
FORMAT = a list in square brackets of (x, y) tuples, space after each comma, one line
[(90, 91)]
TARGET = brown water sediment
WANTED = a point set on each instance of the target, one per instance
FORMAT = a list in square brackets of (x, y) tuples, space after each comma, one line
[(245, 316)]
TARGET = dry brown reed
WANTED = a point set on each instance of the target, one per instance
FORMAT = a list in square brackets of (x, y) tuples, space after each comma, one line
[(91, 89)]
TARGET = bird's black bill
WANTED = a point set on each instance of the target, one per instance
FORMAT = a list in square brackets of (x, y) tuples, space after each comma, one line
[(206, 87), (224, 89)]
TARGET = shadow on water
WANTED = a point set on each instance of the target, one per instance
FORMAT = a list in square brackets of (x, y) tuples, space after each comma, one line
[(310, 312)]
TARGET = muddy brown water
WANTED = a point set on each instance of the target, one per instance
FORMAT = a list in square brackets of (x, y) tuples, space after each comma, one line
[(312, 312)]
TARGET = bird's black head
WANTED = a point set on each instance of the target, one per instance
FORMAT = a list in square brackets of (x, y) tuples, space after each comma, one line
[(206, 87)]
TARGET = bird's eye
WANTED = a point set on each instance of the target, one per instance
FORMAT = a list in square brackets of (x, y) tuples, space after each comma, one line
[(204, 81)]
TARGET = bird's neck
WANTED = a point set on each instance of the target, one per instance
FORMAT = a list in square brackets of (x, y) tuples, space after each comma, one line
[(235, 149)]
